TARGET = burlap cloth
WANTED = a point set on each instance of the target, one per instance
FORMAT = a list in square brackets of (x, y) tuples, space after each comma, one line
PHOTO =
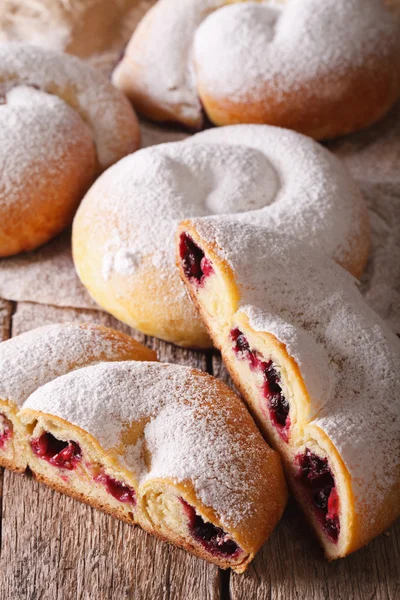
[(97, 30)]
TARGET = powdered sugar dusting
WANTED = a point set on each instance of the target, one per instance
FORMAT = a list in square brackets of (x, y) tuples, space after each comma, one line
[(314, 307), (39, 356), (189, 434), (119, 259), (380, 284), (278, 45), (46, 275), (37, 134), (260, 174), (283, 47), (105, 110)]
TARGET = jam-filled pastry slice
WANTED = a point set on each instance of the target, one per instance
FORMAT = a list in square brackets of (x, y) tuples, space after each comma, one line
[(164, 446), (36, 357), (263, 370), (316, 366)]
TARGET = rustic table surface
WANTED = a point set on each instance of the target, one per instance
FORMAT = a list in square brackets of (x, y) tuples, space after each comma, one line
[(54, 548)]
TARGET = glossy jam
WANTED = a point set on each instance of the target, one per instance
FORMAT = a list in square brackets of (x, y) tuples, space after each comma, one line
[(212, 538), (278, 406), (195, 265), (119, 490), (64, 455), (319, 485), (6, 429)]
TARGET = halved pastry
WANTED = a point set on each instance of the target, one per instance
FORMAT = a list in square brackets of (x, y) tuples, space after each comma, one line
[(36, 357), (317, 367), (164, 446)]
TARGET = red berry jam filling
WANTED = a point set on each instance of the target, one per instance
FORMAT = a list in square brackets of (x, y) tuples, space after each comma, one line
[(212, 538), (319, 484), (195, 265), (64, 455), (278, 406), (117, 489), (6, 430)]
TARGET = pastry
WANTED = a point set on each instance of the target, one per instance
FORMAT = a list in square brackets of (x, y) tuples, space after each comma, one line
[(61, 123), (321, 68), (123, 245), (34, 358), (317, 367), (164, 446)]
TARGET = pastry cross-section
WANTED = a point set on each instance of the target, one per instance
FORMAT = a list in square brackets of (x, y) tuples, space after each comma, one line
[(317, 367), (164, 446), (36, 357)]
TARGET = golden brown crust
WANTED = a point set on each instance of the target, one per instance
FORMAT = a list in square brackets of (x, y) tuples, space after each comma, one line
[(165, 320), (61, 123), (39, 195), (365, 98), (9, 463), (128, 347), (200, 552)]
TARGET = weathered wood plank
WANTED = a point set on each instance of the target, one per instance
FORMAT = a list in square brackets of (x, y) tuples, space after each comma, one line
[(291, 566), (6, 309), (56, 548)]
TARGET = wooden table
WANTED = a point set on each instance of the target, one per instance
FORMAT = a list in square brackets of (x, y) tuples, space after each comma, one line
[(54, 548)]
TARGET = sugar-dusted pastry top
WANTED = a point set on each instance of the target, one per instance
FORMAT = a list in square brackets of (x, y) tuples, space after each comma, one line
[(290, 42), (170, 422), (237, 50), (348, 357), (104, 109), (39, 134), (262, 175), (38, 356)]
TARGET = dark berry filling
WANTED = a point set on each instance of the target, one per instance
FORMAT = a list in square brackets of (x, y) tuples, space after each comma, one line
[(64, 455), (195, 265), (319, 484), (212, 538), (278, 406), (117, 489), (6, 430)]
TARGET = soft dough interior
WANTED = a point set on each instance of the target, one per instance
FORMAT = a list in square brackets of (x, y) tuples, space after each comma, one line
[(171, 514), (267, 377), (322, 486), (68, 459), (12, 442)]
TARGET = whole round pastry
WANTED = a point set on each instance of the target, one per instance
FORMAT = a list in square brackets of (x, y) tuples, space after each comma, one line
[(321, 68), (36, 357), (164, 446), (317, 367), (61, 123), (123, 233)]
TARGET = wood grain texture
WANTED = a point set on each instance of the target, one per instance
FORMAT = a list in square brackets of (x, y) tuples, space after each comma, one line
[(55, 548), (6, 310), (291, 566)]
